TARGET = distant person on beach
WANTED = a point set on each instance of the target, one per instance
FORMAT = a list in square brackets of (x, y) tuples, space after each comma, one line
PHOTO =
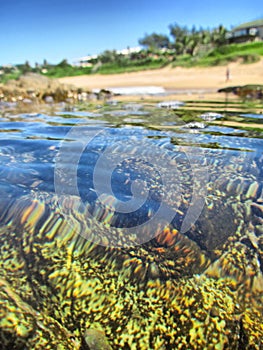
[(227, 74)]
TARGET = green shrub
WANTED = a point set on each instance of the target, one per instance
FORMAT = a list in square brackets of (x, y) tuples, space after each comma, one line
[(131, 66), (59, 72), (250, 58), (5, 77)]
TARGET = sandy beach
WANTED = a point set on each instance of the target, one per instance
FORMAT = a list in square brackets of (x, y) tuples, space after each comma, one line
[(180, 80)]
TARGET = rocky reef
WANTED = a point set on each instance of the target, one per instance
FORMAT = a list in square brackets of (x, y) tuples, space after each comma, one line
[(59, 290), (36, 88), (254, 92)]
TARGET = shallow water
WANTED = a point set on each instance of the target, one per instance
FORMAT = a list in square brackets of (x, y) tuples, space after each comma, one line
[(119, 175), (31, 142)]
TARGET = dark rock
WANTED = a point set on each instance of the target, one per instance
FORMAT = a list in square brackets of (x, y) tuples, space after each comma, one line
[(245, 91)]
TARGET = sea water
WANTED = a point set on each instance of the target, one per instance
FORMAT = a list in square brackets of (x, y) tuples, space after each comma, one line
[(150, 203)]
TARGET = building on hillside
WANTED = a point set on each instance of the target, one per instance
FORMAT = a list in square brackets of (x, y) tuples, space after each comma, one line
[(86, 61), (89, 61), (129, 50), (250, 31)]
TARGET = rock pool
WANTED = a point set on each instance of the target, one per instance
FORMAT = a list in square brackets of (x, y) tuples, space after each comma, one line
[(122, 228)]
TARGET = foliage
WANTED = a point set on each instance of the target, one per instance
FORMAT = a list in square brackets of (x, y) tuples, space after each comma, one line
[(64, 64), (246, 53), (185, 40), (8, 76), (247, 48), (109, 56), (24, 68), (131, 66), (59, 72), (155, 41)]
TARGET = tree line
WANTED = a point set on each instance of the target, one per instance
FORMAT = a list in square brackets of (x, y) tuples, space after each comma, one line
[(184, 40)]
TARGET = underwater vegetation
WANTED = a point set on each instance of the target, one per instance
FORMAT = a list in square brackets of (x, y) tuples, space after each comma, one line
[(60, 290), (69, 276)]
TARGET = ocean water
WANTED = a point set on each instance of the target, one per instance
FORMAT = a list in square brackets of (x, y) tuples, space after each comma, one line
[(131, 226)]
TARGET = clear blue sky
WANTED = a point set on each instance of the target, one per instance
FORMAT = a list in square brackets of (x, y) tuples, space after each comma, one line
[(34, 30)]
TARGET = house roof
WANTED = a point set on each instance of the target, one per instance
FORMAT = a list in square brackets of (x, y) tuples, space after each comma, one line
[(253, 24)]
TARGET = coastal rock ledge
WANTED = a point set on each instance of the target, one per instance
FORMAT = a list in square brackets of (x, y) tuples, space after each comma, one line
[(32, 87)]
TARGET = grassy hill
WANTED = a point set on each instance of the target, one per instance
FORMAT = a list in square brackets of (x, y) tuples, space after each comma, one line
[(246, 53)]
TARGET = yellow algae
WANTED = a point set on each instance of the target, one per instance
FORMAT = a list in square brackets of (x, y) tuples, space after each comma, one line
[(79, 288), (32, 215), (22, 330), (53, 231), (27, 212)]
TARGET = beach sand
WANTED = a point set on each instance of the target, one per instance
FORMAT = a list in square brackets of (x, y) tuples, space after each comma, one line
[(181, 80)]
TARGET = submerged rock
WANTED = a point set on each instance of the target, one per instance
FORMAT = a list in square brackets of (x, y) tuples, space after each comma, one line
[(64, 291), (245, 91), (63, 279), (96, 340)]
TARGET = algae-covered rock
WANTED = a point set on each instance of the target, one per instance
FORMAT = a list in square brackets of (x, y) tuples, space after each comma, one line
[(36, 88), (61, 291), (245, 91), (96, 340)]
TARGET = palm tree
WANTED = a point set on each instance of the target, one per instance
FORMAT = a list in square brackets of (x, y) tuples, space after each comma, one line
[(179, 34), (219, 36)]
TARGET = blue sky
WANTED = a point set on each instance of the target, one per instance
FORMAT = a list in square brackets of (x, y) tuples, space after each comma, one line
[(34, 30)]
